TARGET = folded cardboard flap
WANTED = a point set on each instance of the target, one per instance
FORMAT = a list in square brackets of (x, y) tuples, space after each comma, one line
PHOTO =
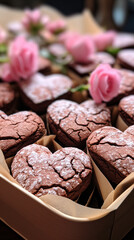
[(124, 185), (120, 124), (3, 162)]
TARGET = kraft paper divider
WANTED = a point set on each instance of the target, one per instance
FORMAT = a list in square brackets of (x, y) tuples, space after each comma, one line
[(101, 181), (3, 162), (120, 124), (124, 185)]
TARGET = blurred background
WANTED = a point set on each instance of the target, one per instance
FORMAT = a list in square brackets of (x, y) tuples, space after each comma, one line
[(111, 14)]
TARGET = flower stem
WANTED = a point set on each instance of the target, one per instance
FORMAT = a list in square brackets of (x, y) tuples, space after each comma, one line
[(80, 88)]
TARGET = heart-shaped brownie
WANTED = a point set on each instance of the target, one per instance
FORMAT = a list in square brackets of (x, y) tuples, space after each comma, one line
[(73, 123), (97, 58), (39, 91), (18, 130), (113, 151), (126, 58), (126, 86), (123, 40), (126, 109), (67, 172)]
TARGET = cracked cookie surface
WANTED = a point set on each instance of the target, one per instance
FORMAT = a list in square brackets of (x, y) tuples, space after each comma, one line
[(113, 152), (18, 130), (67, 172), (73, 123)]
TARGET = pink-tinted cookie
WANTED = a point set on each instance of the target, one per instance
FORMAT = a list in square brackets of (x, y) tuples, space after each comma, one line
[(123, 40), (97, 58), (39, 91), (126, 58)]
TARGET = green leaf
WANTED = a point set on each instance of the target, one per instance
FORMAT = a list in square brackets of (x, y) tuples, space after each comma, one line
[(4, 59), (112, 51), (35, 28), (46, 54), (80, 88), (3, 48), (64, 69)]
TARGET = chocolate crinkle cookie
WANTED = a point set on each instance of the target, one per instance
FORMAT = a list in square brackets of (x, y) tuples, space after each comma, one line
[(67, 172), (73, 123), (18, 130), (113, 152)]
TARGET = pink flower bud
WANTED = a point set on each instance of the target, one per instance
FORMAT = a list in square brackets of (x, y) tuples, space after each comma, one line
[(56, 26), (104, 83), (33, 18), (24, 60), (104, 40), (68, 38), (81, 49)]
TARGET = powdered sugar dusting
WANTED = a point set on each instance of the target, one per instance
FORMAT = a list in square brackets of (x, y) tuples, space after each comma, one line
[(127, 105), (41, 172), (41, 88), (78, 121)]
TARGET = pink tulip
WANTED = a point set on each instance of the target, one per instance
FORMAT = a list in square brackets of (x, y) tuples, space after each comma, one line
[(56, 26), (104, 40), (81, 49), (104, 83)]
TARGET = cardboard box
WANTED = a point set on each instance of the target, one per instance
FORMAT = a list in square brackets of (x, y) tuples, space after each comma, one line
[(52, 217)]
